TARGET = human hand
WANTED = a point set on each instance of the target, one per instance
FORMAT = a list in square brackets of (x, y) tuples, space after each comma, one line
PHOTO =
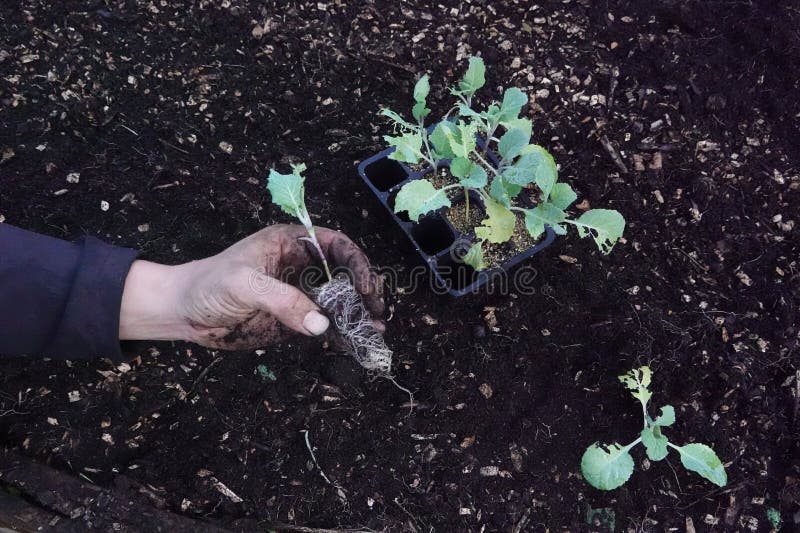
[(243, 297)]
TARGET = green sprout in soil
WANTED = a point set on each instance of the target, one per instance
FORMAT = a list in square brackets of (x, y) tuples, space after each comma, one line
[(774, 518), (337, 297), (609, 467), (522, 166)]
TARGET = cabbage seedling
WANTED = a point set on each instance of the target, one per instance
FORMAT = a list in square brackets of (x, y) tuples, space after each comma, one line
[(522, 166), (337, 297), (609, 467)]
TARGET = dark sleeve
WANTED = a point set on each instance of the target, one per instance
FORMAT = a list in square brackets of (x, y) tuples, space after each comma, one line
[(60, 299)]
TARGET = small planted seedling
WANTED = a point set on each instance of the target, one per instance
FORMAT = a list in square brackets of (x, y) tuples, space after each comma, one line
[(609, 467), (337, 297), (489, 153)]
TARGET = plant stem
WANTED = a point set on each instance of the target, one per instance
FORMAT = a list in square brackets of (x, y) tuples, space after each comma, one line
[(489, 134), (430, 157), (313, 239), (631, 445), (466, 204), (485, 162)]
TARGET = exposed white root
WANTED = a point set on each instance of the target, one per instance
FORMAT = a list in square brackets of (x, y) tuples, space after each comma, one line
[(353, 321)]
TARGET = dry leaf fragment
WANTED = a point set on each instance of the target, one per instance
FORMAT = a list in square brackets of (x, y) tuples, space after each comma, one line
[(744, 278), (429, 320), (7, 154), (486, 390), (489, 317)]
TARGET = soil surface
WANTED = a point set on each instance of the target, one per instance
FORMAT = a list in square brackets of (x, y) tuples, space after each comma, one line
[(682, 115)]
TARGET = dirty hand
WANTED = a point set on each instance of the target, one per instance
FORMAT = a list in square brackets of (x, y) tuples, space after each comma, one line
[(242, 298)]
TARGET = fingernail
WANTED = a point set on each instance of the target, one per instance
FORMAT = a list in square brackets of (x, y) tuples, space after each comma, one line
[(316, 323)]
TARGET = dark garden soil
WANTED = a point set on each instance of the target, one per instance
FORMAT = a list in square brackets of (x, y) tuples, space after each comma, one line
[(171, 111)]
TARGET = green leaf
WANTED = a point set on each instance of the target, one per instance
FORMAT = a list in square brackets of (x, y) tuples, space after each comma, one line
[(535, 164), (462, 140), (606, 469), (604, 225), (638, 381), (545, 213), (523, 124), (498, 226), (474, 257), (562, 195), (667, 417), (420, 111), (513, 100), (440, 138), (407, 147), (469, 174), (460, 167), (397, 119), (422, 89), (512, 143), (544, 168), (477, 178), (503, 191), (466, 111), (287, 191), (474, 78), (702, 459), (419, 197), (499, 191), (656, 444)]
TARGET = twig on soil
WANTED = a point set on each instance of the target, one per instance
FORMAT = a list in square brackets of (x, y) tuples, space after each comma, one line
[(522, 521), (202, 375), (796, 397), (375, 57), (615, 157), (612, 86), (714, 493), (181, 150), (304, 529), (127, 128)]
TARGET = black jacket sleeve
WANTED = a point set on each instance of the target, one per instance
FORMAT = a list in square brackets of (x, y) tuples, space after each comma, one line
[(60, 299)]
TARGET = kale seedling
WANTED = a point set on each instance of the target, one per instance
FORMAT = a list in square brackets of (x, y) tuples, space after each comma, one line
[(522, 166), (337, 297), (609, 467)]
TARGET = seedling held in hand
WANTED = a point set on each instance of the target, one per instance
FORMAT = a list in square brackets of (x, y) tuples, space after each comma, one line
[(609, 467), (337, 297), (522, 166)]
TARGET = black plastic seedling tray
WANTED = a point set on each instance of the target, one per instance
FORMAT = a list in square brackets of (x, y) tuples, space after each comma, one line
[(438, 242)]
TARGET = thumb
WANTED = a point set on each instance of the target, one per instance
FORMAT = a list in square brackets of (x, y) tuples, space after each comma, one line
[(294, 309)]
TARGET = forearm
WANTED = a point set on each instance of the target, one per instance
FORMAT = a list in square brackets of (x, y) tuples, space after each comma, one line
[(150, 303)]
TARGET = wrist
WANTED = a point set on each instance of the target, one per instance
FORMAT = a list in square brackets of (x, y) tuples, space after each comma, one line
[(151, 304)]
